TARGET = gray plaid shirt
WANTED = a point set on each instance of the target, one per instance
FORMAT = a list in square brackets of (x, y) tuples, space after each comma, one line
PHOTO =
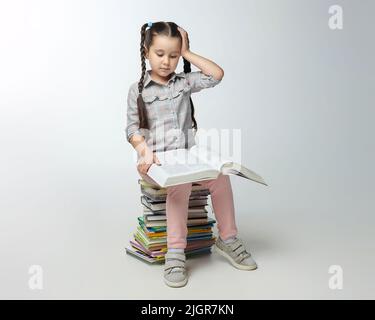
[(168, 109)]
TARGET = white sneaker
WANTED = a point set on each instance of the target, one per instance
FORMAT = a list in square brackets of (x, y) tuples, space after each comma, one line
[(236, 253), (175, 274)]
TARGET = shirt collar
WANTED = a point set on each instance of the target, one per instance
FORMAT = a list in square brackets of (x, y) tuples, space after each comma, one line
[(148, 78)]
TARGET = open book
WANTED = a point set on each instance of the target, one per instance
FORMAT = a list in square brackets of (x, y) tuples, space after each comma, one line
[(195, 164)]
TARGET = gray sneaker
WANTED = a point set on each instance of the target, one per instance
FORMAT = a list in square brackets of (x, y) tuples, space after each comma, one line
[(175, 274), (236, 253)]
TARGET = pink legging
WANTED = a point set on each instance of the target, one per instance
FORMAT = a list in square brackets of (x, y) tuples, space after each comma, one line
[(178, 203)]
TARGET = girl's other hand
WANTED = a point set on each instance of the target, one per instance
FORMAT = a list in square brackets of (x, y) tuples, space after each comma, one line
[(146, 160), (185, 41)]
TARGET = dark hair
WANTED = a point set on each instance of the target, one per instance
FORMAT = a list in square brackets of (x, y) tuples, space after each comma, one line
[(158, 28)]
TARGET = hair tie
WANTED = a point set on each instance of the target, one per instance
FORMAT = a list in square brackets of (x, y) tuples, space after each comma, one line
[(150, 24)]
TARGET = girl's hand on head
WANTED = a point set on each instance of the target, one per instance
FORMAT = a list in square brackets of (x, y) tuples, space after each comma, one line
[(146, 161), (185, 41)]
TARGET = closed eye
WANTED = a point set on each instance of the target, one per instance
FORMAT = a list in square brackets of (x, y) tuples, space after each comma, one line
[(160, 55)]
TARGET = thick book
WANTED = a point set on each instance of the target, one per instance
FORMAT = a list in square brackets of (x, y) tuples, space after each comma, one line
[(164, 229), (196, 211), (144, 257), (198, 163), (162, 217), (163, 223), (162, 205), (158, 191), (192, 230), (163, 197), (160, 252), (191, 199)]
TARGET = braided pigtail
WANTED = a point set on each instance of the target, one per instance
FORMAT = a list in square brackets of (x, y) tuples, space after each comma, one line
[(142, 112), (187, 69)]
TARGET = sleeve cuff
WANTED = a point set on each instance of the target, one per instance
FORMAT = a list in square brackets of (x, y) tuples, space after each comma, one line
[(131, 133)]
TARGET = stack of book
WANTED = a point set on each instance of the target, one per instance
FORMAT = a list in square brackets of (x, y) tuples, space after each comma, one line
[(150, 238)]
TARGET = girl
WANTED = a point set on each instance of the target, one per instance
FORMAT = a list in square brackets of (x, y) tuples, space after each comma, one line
[(162, 99)]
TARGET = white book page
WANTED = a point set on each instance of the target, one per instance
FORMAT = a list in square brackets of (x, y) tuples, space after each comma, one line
[(180, 162), (183, 169), (212, 158), (225, 165)]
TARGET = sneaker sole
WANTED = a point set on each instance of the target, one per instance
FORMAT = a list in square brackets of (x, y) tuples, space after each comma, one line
[(175, 284), (234, 263)]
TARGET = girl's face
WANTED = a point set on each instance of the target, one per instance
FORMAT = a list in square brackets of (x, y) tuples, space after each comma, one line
[(164, 55)]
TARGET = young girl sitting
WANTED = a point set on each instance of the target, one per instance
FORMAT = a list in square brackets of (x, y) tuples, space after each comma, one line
[(161, 99)]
